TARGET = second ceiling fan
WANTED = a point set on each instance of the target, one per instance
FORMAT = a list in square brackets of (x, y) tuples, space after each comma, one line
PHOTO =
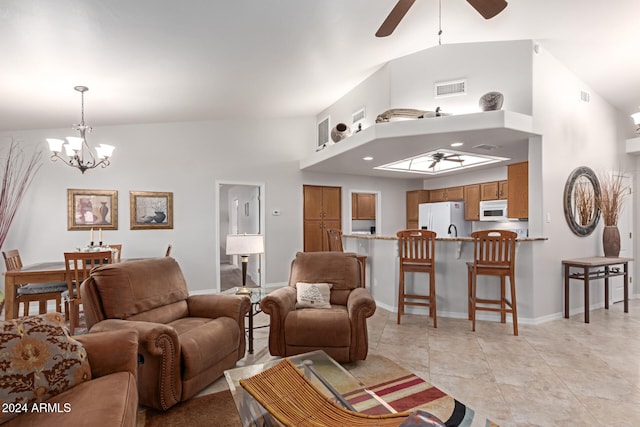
[(487, 8)]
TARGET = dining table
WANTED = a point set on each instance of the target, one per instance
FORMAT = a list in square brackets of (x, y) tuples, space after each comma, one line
[(42, 272), (35, 273)]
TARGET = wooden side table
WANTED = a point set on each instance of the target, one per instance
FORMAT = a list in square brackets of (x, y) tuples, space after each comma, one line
[(595, 268)]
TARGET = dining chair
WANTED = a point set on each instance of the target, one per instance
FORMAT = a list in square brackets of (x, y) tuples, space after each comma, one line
[(494, 254), (78, 266), (335, 245), (32, 292), (117, 249), (416, 249)]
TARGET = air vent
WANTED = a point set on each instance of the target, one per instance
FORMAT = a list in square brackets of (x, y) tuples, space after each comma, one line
[(485, 147), (452, 88), (358, 115), (323, 131), (585, 96)]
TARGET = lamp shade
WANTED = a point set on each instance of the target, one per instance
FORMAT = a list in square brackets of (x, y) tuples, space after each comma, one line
[(636, 118), (245, 244)]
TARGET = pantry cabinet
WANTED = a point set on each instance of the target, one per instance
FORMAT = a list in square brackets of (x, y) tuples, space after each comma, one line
[(518, 192), (322, 210)]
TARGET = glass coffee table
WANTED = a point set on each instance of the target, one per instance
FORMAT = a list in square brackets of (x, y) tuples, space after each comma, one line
[(331, 378), (256, 296)]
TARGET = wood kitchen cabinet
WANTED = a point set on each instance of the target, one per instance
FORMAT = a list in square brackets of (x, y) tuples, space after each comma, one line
[(446, 194), (363, 206), (518, 191), (472, 202), (414, 198), (495, 190), (322, 210)]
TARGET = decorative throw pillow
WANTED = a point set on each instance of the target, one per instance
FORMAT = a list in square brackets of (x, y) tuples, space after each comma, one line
[(313, 295), (38, 359)]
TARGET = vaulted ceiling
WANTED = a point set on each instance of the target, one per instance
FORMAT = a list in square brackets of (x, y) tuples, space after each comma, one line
[(148, 61)]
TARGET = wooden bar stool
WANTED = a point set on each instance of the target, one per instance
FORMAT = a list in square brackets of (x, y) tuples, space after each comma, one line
[(494, 254), (335, 245), (417, 255)]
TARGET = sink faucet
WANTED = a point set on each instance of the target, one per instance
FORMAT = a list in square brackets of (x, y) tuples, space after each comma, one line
[(455, 229)]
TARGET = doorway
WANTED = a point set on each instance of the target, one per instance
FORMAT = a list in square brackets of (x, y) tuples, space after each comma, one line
[(365, 208), (625, 226), (240, 211)]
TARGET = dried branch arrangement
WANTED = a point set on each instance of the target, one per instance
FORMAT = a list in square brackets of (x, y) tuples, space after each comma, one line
[(585, 202), (18, 172), (611, 199)]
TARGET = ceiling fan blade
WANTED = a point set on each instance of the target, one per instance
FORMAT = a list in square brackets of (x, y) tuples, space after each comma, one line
[(433, 165), (394, 18), (451, 159), (488, 8)]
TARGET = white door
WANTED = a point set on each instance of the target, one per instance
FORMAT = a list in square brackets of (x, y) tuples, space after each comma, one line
[(625, 226)]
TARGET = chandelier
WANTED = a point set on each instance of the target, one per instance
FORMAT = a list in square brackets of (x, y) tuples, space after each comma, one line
[(77, 152)]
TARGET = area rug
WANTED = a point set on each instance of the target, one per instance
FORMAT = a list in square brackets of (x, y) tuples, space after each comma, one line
[(390, 387), (385, 387), (217, 409)]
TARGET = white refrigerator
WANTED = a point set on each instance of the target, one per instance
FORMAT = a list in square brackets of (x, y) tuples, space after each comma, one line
[(445, 218)]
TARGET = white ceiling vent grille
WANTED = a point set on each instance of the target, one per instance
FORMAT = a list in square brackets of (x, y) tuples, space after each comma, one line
[(358, 115), (323, 131), (585, 96), (485, 147), (452, 88)]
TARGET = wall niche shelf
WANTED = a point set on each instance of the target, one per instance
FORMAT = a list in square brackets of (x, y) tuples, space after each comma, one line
[(508, 132)]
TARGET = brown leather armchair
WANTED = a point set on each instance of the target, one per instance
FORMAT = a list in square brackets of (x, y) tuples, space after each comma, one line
[(341, 331), (185, 342)]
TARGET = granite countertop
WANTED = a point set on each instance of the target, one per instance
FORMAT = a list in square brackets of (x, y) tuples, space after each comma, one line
[(438, 239)]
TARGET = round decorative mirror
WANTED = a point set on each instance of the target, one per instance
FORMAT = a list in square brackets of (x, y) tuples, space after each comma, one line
[(580, 194)]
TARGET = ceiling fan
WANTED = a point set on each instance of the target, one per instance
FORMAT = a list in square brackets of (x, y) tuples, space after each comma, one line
[(487, 8), (438, 157)]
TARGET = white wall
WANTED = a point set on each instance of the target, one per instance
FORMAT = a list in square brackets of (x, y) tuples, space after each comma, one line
[(186, 159), (408, 82), (500, 66), (574, 134)]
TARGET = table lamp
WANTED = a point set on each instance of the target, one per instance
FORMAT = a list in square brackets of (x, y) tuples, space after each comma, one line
[(244, 245)]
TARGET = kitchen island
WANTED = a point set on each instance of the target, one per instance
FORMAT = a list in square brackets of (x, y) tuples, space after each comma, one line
[(452, 254)]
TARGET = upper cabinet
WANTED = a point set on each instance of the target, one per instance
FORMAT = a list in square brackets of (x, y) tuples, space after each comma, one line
[(414, 198), (472, 202), (363, 206), (496, 190), (515, 189), (450, 194), (518, 192)]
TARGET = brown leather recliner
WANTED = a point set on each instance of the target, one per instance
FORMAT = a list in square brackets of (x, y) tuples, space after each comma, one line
[(185, 342), (341, 331)]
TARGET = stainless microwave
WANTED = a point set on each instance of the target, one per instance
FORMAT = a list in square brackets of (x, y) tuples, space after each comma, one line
[(493, 210)]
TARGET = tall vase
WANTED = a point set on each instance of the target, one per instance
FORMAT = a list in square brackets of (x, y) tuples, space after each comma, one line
[(611, 241), (103, 212)]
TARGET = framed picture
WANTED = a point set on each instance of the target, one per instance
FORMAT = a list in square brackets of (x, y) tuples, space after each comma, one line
[(151, 210), (88, 209)]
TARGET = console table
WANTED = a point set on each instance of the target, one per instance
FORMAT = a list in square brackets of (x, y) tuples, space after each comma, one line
[(595, 268)]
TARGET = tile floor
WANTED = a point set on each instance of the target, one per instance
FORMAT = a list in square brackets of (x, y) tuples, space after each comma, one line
[(560, 373)]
